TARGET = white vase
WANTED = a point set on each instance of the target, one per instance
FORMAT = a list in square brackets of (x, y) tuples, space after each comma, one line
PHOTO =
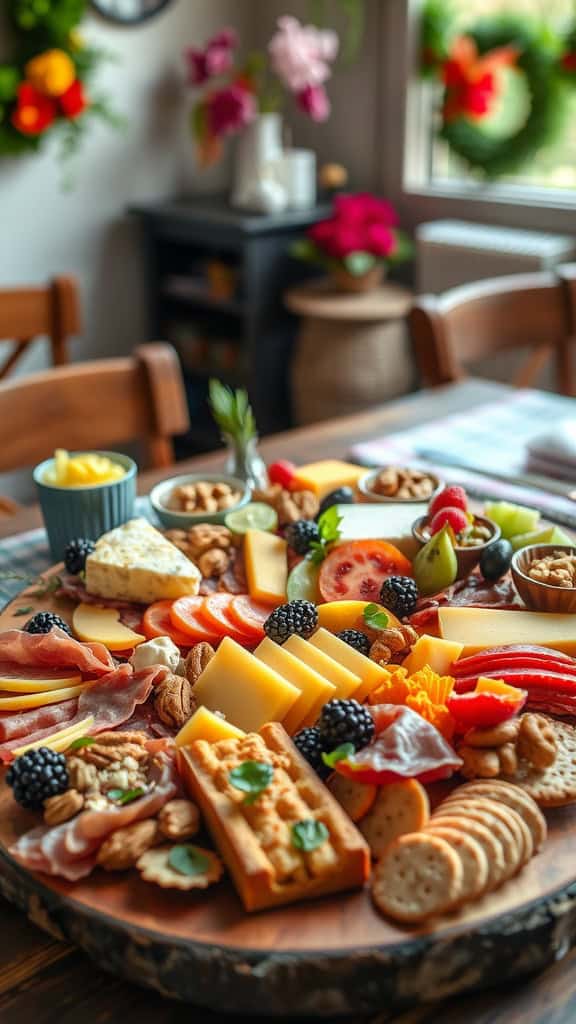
[(258, 169)]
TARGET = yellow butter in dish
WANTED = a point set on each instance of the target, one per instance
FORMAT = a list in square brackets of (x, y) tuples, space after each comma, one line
[(83, 470)]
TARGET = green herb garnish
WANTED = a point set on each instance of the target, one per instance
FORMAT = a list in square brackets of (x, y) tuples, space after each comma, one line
[(329, 530), (374, 617), (232, 411), (125, 796), (309, 835), (188, 860), (47, 586), (44, 586), (340, 753), (252, 777), (83, 741), (24, 611)]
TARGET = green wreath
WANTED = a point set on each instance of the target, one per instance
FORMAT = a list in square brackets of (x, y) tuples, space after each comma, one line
[(544, 84)]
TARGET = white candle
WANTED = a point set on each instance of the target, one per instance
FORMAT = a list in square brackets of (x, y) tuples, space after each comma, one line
[(299, 176)]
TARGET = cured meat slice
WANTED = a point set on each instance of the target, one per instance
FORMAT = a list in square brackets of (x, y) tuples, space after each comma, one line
[(75, 589), (56, 650), (28, 723)]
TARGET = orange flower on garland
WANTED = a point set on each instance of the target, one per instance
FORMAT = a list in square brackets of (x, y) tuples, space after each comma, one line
[(51, 72), (473, 81), (34, 112)]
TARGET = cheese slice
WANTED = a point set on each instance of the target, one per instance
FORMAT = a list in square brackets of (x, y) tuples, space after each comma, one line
[(371, 674), (346, 682), (205, 725), (38, 700), (266, 566), (382, 521), (315, 690), (478, 628), (11, 685), (93, 624), (247, 692), (325, 476), (135, 562), (61, 739)]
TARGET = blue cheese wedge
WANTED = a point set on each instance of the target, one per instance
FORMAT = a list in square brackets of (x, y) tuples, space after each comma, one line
[(135, 562)]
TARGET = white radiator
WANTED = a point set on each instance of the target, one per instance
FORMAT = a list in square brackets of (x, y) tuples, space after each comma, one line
[(453, 252)]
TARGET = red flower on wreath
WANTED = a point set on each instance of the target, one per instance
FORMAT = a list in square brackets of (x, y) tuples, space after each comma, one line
[(472, 81), (569, 62), (34, 112), (73, 102)]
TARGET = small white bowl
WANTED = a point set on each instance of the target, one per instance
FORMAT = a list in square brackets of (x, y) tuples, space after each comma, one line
[(365, 488), (174, 520)]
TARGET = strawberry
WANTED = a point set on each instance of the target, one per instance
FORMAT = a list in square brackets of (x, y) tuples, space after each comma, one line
[(451, 497), (457, 519), (281, 472)]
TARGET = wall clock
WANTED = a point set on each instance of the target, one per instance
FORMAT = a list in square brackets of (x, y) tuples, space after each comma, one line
[(129, 12)]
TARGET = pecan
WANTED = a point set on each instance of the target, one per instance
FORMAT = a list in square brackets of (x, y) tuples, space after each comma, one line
[(395, 638), (380, 652), (58, 809), (206, 536), (196, 661), (179, 819), (536, 741), (174, 700), (82, 776), (213, 563), (105, 752), (122, 848)]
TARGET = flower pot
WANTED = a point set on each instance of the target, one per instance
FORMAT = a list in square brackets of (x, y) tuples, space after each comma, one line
[(258, 169), (347, 282)]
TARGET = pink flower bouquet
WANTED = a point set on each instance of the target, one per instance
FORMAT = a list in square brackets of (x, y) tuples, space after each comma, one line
[(300, 58)]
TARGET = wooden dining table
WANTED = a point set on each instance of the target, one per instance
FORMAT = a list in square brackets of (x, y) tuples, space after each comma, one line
[(44, 979)]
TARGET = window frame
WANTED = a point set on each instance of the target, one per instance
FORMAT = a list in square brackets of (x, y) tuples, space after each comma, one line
[(406, 113)]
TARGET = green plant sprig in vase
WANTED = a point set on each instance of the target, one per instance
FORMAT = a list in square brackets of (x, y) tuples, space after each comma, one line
[(233, 414)]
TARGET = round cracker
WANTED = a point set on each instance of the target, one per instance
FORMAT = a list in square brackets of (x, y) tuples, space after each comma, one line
[(472, 808), (419, 876), (472, 855), (554, 786), (356, 798), (490, 844), (400, 807), (510, 817), (514, 797)]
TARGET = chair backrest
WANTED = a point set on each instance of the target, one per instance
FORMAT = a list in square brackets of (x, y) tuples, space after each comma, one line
[(28, 313), (95, 405), (476, 320)]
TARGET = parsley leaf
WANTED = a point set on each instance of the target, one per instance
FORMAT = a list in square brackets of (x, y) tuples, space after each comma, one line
[(83, 741), (374, 617), (329, 531), (338, 754), (308, 835), (252, 778), (24, 611), (188, 860), (125, 796)]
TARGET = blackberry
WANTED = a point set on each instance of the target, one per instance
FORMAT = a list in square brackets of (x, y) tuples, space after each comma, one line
[(355, 638), (76, 553), (341, 496), (345, 721), (43, 622), (37, 775), (399, 594), (301, 535), (300, 617), (309, 743)]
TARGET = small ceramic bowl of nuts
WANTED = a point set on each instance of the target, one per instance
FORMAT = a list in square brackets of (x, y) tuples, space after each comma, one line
[(398, 483), (545, 577), (183, 501)]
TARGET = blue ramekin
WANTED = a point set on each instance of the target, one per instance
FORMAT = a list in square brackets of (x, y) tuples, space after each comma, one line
[(85, 511)]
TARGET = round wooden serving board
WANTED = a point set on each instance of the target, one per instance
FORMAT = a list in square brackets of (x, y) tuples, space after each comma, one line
[(332, 956)]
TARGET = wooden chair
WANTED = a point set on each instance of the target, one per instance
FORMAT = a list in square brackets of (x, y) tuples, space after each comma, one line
[(477, 320), (567, 276), (95, 405), (28, 313)]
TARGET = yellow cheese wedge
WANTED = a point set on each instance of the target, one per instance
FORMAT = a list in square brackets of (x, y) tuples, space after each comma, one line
[(371, 674), (10, 685), (478, 628), (61, 739), (346, 682), (325, 476), (205, 725), (246, 691), (266, 566), (435, 652), (315, 690), (102, 625), (338, 615), (39, 700)]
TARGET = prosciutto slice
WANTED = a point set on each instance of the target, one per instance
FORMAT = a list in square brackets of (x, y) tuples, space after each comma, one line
[(26, 723), (70, 850), (56, 650)]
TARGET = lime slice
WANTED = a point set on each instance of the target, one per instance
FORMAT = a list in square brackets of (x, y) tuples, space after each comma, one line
[(303, 582), (256, 515)]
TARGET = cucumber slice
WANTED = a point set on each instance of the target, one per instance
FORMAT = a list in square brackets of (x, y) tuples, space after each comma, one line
[(303, 582)]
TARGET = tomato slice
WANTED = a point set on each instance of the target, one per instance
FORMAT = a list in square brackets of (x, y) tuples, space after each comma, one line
[(215, 613), (355, 571), (157, 622), (249, 615), (185, 616)]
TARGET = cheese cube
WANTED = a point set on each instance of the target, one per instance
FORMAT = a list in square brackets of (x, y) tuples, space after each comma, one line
[(478, 628), (266, 566), (391, 522), (204, 725), (346, 682), (315, 691), (135, 562), (325, 476), (371, 674), (435, 652), (246, 691)]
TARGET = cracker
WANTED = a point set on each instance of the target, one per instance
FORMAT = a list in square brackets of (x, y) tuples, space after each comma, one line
[(518, 799), (400, 807), (472, 855), (419, 876), (490, 844), (510, 817), (356, 798), (511, 845), (154, 867), (554, 786)]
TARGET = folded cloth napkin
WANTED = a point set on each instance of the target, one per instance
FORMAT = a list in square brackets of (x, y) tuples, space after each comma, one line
[(554, 452)]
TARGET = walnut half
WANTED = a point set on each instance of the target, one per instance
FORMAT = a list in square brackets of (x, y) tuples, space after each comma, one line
[(174, 700), (60, 808), (123, 847)]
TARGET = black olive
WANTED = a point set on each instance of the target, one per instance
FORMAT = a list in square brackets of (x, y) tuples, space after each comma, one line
[(495, 560), (341, 496)]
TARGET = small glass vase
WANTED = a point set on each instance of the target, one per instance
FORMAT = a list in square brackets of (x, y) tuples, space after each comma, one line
[(246, 463)]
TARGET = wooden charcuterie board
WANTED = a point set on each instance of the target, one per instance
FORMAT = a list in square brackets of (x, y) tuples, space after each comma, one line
[(333, 956)]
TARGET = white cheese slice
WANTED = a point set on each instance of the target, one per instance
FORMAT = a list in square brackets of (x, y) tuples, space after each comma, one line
[(135, 562), (382, 521)]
